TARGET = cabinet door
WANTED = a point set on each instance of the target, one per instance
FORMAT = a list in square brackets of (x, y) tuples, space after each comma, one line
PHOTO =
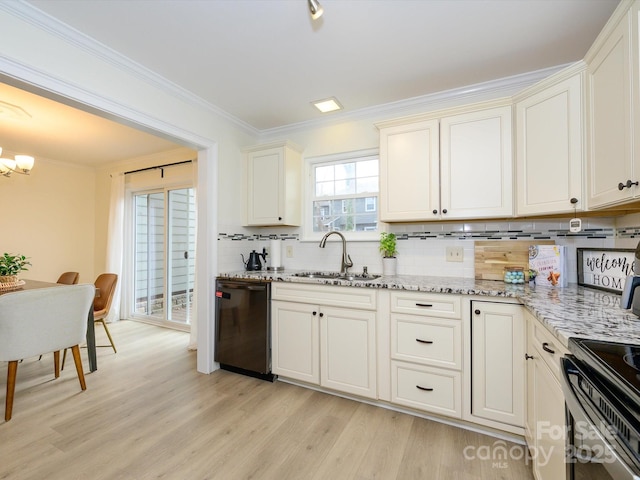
[(549, 149), (497, 362), (348, 351), (547, 409), (295, 341), (476, 164), (265, 174), (610, 154), (409, 172)]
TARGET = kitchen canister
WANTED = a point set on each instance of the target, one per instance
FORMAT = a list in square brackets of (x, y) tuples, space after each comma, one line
[(514, 275)]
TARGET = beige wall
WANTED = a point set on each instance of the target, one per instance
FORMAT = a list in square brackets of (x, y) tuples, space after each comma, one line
[(49, 217)]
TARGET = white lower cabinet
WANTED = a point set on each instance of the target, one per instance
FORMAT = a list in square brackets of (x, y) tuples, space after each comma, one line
[(498, 338), (295, 347), (545, 420), (426, 352), (331, 346)]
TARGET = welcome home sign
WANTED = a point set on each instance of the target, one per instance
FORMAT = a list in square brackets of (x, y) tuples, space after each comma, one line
[(605, 268)]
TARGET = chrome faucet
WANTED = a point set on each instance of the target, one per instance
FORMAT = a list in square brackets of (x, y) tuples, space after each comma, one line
[(346, 259)]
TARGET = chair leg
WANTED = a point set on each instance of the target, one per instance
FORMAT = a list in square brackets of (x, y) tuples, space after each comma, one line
[(106, 329), (78, 361), (56, 363), (11, 388), (64, 357)]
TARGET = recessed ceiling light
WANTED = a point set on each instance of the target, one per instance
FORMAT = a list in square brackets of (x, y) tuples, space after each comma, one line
[(327, 105)]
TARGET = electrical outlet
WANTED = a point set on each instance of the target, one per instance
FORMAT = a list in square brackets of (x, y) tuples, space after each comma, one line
[(455, 254), (289, 250)]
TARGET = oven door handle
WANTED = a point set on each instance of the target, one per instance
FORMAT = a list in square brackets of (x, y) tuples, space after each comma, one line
[(612, 462)]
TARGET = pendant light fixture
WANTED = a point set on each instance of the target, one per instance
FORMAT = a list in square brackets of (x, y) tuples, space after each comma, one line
[(315, 8), (22, 164)]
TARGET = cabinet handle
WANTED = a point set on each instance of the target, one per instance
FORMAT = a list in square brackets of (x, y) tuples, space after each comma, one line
[(435, 212), (321, 314), (477, 312), (444, 210), (279, 218), (423, 305), (424, 341), (629, 184), (527, 356), (545, 347), (574, 200), (314, 313), (424, 389)]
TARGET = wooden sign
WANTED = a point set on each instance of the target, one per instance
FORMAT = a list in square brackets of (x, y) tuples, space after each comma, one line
[(605, 268)]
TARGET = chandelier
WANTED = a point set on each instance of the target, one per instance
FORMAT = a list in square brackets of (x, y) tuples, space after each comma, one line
[(19, 164)]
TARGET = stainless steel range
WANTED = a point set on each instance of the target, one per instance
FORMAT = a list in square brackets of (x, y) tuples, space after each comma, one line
[(601, 384)]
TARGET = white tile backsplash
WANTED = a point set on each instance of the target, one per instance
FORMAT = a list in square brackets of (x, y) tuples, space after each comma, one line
[(416, 256)]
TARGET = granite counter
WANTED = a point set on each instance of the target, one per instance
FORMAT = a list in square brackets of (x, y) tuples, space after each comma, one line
[(572, 311)]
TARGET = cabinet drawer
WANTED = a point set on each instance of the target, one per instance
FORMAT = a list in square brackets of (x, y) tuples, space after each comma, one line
[(546, 345), (429, 304), (426, 388), (351, 297), (430, 341)]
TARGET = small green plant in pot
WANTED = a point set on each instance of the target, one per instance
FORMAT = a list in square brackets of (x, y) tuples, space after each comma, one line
[(388, 248), (11, 266)]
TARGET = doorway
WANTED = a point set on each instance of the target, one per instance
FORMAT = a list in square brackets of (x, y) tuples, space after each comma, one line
[(164, 253)]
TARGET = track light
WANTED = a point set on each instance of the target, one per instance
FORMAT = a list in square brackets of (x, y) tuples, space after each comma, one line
[(315, 8)]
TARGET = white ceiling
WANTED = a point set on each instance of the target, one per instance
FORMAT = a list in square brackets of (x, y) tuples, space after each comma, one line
[(264, 61)]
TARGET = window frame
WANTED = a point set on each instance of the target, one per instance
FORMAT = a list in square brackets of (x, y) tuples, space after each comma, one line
[(309, 188)]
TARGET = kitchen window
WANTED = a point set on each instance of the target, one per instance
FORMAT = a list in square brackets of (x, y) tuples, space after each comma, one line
[(343, 194)]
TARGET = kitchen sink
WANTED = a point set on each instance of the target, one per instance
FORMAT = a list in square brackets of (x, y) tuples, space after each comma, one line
[(337, 276)]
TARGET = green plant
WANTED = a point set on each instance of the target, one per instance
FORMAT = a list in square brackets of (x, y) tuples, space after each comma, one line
[(13, 264), (388, 244)]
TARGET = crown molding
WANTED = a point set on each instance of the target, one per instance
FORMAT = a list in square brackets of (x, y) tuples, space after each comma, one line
[(52, 25), (493, 89)]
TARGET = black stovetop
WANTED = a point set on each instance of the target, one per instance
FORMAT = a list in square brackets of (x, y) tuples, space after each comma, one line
[(618, 363)]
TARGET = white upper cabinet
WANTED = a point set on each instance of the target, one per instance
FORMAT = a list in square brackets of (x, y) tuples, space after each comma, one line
[(549, 147), (274, 183), (410, 172), (611, 165), (455, 166), (476, 164)]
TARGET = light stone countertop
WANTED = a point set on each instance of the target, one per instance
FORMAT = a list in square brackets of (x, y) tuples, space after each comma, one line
[(572, 311)]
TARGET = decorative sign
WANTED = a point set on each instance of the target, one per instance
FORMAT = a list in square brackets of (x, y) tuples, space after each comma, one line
[(605, 268)]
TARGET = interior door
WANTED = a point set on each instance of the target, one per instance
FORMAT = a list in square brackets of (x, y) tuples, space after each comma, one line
[(164, 256)]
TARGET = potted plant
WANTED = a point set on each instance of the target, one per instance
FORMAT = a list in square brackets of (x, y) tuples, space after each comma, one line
[(388, 250), (11, 266)]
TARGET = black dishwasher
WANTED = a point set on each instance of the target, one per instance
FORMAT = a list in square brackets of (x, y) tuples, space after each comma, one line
[(243, 327)]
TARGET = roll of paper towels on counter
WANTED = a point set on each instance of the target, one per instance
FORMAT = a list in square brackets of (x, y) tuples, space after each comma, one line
[(276, 253)]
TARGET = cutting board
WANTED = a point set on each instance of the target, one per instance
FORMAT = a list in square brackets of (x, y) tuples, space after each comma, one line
[(491, 256)]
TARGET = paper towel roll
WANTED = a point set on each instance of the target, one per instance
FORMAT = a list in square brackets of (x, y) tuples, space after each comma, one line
[(275, 252)]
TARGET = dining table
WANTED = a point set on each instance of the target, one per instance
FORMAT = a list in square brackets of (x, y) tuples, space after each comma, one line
[(91, 331)]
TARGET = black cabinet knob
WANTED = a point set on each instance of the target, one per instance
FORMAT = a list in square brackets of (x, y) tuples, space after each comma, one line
[(279, 218), (444, 210), (314, 313), (321, 314), (574, 200), (435, 212), (477, 312)]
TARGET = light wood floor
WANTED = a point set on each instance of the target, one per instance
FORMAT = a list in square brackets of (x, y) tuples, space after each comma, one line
[(148, 414)]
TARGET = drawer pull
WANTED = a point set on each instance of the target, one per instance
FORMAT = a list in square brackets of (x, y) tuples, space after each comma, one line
[(423, 305), (527, 356), (424, 389), (423, 341), (545, 347)]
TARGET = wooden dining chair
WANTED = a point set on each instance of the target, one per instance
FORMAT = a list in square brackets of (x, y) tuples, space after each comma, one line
[(69, 278), (33, 322), (106, 288)]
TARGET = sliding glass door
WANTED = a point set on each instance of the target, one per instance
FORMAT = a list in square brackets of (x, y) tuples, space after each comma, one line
[(164, 256)]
